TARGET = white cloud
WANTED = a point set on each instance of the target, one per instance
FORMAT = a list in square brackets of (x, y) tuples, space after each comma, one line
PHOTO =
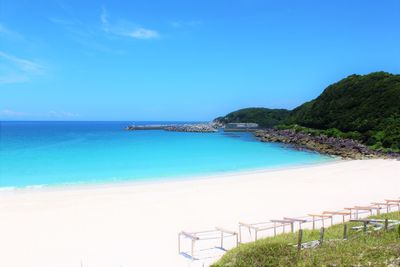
[(142, 33), (126, 29), (11, 113)]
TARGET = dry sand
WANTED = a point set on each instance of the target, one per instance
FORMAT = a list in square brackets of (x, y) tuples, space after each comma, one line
[(137, 225)]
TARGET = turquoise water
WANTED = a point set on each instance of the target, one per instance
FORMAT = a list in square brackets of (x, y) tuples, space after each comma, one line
[(54, 153)]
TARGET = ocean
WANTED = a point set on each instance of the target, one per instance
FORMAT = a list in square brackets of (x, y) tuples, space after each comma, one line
[(64, 153)]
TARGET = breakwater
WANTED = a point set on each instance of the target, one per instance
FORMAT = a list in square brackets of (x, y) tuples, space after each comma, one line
[(192, 128)]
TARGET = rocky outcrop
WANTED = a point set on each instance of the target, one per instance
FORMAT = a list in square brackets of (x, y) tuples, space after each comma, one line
[(345, 148), (217, 123)]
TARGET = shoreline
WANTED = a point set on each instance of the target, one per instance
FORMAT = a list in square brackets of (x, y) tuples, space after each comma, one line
[(137, 225), (163, 180), (345, 148), (11, 183)]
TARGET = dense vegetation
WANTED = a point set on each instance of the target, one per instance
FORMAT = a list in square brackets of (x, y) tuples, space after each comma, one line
[(331, 132), (363, 107), (369, 105), (265, 117), (375, 248)]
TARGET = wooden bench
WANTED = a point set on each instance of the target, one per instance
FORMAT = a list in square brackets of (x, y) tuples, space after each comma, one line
[(342, 213), (216, 233), (322, 216), (293, 220)]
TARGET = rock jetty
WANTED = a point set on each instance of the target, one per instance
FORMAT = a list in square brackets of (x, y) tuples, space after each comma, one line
[(144, 127), (192, 128), (345, 148)]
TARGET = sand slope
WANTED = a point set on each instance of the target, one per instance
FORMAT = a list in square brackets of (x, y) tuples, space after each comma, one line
[(137, 225)]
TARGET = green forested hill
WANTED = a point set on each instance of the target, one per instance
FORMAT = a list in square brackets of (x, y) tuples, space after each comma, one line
[(265, 117), (368, 105)]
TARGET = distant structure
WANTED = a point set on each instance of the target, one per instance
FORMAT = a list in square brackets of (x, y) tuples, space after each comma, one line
[(241, 127)]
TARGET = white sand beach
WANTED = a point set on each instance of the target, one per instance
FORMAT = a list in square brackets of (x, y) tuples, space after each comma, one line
[(137, 225)]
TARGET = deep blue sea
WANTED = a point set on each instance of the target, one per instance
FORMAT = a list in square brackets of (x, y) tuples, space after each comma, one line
[(57, 153)]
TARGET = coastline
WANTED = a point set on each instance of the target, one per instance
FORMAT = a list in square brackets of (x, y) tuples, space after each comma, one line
[(345, 148), (137, 225), (165, 179), (104, 153)]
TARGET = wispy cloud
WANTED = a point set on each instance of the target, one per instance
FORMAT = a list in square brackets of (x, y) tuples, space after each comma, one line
[(104, 19), (74, 27), (17, 70), (11, 113), (24, 64), (101, 36), (9, 78), (62, 114), (85, 35), (142, 33), (6, 32), (178, 24), (126, 29)]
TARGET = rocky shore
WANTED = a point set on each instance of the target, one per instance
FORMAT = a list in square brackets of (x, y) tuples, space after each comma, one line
[(345, 148)]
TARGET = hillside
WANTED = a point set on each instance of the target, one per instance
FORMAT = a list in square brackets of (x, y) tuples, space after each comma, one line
[(367, 106), (265, 117), (373, 248)]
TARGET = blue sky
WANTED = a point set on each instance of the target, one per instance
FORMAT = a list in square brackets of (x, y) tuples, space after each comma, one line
[(184, 60)]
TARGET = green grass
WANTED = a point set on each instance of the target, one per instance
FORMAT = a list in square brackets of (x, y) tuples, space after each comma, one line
[(374, 248)]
